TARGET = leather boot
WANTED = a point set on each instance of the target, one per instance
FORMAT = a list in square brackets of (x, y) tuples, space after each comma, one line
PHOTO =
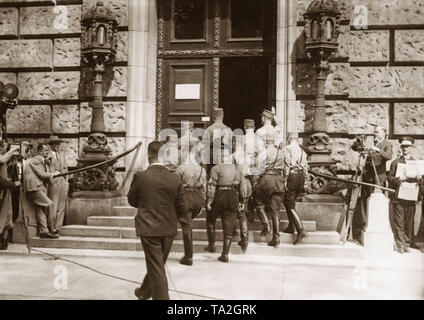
[(244, 236), (301, 233), (235, 231), (264, 220), (210, 229), (188, 249), (275, 241), (290, 228), (225, 249), (4, 240)]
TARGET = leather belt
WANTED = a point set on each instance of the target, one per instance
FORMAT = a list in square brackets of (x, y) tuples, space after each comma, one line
[(273, 172), (190, 188), (226, 187)]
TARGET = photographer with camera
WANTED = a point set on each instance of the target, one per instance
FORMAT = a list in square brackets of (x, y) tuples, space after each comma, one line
[(6, 187), (374, 172)]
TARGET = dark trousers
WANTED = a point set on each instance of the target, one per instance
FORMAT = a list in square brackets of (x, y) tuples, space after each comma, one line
[(155, 283), (403, 223), (225, 205), (360, 214), (269, 193), (295, 185), (193, 204)]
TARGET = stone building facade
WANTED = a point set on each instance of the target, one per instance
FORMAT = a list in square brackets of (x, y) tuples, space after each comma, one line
[(377, 77)]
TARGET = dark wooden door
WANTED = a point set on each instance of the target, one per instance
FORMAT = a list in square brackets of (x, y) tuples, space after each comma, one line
[(194, 39)]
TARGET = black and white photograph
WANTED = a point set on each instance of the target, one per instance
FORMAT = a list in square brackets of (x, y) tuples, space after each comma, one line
[(211, 150)]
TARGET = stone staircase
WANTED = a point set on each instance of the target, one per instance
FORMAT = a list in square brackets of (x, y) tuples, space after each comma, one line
[(117, 232)]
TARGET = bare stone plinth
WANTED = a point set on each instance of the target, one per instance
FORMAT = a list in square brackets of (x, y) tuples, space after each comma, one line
[(65, 119), (50, 20), (9, 18), (29, 119), (369, 45), (91, 203), (409, 45), (25, 53), (327, 213), (386, 82), (48, 85)]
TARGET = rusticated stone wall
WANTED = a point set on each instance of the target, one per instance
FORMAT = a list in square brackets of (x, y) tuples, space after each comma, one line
[(40, 52), (376, 78)]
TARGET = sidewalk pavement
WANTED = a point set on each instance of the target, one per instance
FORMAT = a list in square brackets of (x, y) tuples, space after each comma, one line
[(38, 276)]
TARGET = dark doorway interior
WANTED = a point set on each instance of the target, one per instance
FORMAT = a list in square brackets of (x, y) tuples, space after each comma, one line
[(243, 89)]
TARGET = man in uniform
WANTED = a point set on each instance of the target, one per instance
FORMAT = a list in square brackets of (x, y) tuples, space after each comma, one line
[(219, 134), (243, 157), (58, 190), (226, 189), (403, 210), (381, 152), (267, 128), (296, 169), (193, 178), (260, 145), (269, 190)]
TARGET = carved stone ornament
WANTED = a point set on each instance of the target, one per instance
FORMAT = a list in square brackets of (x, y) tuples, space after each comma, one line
[(102, 178), (319, 142), (319, 185), (97, 143)]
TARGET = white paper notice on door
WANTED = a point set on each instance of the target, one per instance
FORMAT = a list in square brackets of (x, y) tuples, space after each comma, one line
[(187, 91)]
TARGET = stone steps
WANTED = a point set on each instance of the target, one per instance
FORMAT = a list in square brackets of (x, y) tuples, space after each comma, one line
[(197, 223), (319, 237), (301, 250)]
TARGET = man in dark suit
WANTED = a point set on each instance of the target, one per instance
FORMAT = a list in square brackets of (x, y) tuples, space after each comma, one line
[(156, 194), (380, 153)]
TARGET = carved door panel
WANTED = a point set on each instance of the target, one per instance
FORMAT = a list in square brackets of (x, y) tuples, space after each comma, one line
[(194, 36), (188, 91)]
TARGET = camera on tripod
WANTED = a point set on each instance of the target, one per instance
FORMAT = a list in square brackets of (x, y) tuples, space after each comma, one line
[(8, 95), (359, 144)]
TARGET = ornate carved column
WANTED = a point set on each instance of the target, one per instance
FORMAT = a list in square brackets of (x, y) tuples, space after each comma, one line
[(322, 31), (98, 49)]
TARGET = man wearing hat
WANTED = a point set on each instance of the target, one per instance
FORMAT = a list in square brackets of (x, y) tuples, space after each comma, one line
[(193, 178), (219, 134), (243, 157), (269, 188), (296, 169), (58, 190), (380, 153), (267, 119), (226, 189), (403, 210)]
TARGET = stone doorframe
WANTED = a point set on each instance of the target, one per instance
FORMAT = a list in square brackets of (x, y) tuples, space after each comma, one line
[(142, 63)]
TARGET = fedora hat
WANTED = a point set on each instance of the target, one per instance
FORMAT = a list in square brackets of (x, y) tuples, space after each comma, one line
[(54, 140)]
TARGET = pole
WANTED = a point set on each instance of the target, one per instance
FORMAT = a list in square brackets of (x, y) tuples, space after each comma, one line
[(353, 182)]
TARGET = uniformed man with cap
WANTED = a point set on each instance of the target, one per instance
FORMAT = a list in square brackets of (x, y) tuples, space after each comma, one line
[(193, 178), (243, 157), (219, 134), (226, 189), (403, 210), (269, 189), (267, 118), (296, 169)]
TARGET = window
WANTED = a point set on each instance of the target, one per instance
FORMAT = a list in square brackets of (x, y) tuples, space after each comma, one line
[(189, 19), (246, 18)]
